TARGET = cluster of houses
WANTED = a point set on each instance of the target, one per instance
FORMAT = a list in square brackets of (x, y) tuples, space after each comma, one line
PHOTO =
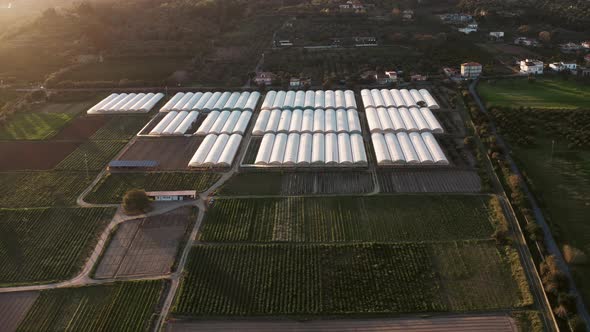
[(354, 6), (465, 23), (575, 47)]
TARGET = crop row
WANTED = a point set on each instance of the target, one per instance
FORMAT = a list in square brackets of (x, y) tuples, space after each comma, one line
[(48, 244), (346, 219), (127, 306), (42, 189), (113, 187), (92, 155), (120, 128)]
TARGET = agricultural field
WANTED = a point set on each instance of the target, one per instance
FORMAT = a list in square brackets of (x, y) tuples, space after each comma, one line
[(316, 279), (125, 306), (40, 124), (297, 183), (113, 187), (92, 155), (145, 246), (349, 219), (151, 69), (543, 93), (428, 181), (172, 153), (121, 127), (14, 307), (42, 189), (34, 155), (43, 245)]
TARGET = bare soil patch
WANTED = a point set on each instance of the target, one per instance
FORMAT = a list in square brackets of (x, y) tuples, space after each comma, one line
[(34, 155), (145, 246), (172, 153), (13, 309), (81, 128)]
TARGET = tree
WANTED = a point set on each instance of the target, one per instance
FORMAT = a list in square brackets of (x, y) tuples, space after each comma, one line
[(545, 36), (136, 201)]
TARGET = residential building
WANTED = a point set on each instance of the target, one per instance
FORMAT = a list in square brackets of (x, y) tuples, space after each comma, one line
[(408, 15), (471, 27), (456, 18), (586, 44), (570, 47), (471, 69), (526, 41), (418, 77), (296, 83), (530, 66), (172, 195), (264, 78), (365, 41), (497, 35), (386, 78), (587, 58), (584, 72), (561, 66)]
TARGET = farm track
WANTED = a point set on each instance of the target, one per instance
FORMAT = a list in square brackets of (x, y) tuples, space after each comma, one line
[(494, 322)]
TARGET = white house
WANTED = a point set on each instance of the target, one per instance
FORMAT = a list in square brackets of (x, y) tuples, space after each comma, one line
[(471, 27), (530, 66), (471, 69), (172, 195), (496, 35), (561, 66)]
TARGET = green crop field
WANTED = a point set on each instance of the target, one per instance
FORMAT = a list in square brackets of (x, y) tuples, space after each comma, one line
[(42, 245), (345, 219), (113, 187), (42, 123), (126, 306), (121, 127), (34, 126), (543, 93), (315, 279), (92, 155), (42, 189)]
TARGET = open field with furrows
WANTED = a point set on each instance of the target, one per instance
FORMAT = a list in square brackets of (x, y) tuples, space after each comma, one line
[(428, 180), (34, 155), (14, 307), (349, 219), (145, 246), (42, 189), (42, 123), (131, 68), (82, 127), (113, 187), (121, 127), (315, 279), (125, 306), (172, 153), (42, 245), (92, 155), (298, 183), (545, 93)]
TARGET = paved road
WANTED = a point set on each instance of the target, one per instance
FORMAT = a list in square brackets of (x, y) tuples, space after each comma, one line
[(550, 243), (459, 323)]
